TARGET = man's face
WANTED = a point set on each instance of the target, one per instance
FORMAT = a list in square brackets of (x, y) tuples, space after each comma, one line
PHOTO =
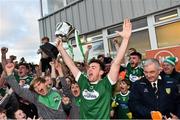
[(75, 89), (167, 68), (41, 88), (94, 72), (20, 115), (134, 61), (151, 72), (22, 71)]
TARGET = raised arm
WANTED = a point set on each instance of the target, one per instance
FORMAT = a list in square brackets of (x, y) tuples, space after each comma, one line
[(4, 51), (61, 78), (22, 92), (125, 34), (67, 59)]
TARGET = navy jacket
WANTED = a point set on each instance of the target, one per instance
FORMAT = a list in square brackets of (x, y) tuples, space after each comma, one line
[(143, 100)]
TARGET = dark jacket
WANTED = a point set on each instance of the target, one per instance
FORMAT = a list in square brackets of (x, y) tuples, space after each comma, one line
[(143, 100), (174, 74)]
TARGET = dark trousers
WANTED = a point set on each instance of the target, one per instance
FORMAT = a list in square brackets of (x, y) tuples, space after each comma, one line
[(45, 64)]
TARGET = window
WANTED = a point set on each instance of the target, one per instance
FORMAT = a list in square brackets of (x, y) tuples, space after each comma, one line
[(168, 35), (166, 16), (140, 23), (139, 40)]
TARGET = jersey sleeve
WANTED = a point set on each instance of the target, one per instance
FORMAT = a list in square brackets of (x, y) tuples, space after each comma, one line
[(82, 80)]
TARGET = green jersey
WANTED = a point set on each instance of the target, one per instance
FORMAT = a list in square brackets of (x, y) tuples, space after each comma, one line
[(27, 78), (134, 74), (95, 98), (122, 108)]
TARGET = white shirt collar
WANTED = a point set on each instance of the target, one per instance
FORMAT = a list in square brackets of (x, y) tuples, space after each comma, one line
[(159, 78), (153, 83)]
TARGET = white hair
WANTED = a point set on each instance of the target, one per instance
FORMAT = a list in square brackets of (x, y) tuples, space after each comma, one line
[(150, 61)]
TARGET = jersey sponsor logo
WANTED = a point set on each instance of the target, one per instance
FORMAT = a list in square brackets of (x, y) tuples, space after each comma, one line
[(90, 95), (133, 78)]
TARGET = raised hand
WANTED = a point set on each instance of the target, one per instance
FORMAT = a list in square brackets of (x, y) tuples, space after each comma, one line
[(127, 28), (9, 67), (58, 42), (4, 50)]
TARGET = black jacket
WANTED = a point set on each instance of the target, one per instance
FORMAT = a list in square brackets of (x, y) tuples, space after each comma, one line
[(175, 75), (143, 100)]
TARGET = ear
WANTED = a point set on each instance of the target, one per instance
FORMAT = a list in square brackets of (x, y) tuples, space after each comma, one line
[(101, 72)]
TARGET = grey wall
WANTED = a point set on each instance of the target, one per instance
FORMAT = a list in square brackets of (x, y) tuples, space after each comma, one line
[(90, 15)]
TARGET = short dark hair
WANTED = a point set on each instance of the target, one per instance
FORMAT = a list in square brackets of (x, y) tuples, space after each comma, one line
[(136, 54), (126, 81), (99, 56), (45, 38), (73, 82), (2, 110), (102, 66), (133, 49), (24, 64)]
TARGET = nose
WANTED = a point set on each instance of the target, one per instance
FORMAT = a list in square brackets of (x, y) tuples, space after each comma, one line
[(148, 75)]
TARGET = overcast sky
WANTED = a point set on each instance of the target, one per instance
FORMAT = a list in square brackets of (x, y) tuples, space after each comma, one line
[(19, 30)]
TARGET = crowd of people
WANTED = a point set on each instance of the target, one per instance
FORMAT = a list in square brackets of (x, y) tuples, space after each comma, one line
[(103, 88)]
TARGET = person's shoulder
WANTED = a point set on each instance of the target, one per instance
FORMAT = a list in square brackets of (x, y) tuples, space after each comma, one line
[(141, 82)]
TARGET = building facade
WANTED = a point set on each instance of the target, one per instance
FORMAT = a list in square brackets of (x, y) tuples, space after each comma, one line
[(156, 23)]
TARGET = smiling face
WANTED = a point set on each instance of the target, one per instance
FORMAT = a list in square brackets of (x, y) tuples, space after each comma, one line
[(151, 72), (94, 72), (167, 68), (20, 115)]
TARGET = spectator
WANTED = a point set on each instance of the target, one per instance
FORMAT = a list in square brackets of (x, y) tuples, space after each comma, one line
[(121, 99), (76, 101), (169, 70), (45, 59), (103, 59), (151, 93), (47, 101), (134, 71), (95, 91), (3, 114), (19, 115), (23, 73)]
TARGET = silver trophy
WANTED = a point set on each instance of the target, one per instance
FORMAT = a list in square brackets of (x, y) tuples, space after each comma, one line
[(64, 30)]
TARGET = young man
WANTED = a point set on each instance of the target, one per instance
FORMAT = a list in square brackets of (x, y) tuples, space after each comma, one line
[(47, 100), (95, 91), (134, 70)]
